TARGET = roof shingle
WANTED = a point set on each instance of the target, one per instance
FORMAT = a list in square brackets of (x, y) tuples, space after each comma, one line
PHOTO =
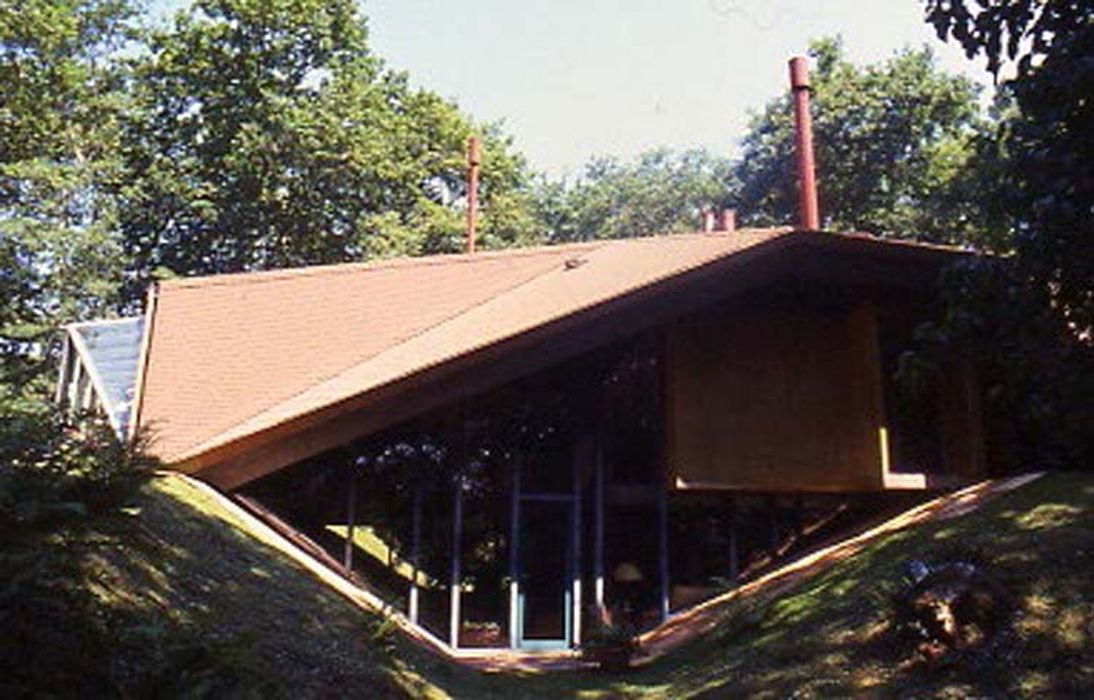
[(235, 355)]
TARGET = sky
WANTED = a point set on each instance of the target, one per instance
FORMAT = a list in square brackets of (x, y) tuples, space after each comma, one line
[(571, 79), (574, 79)]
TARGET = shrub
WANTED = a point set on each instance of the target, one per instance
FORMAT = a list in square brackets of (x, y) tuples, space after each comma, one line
[(58, 478)]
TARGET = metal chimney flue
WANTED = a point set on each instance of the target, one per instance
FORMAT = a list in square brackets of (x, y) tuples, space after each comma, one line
[(809, 214), (706, 220), (473, 160), (727, 221)]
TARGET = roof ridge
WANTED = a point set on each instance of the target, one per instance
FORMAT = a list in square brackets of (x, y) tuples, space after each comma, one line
[(411, 261), (407, 261)]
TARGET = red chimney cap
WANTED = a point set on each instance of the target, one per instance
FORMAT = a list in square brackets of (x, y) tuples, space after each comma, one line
[(799, 73), (474, 156)]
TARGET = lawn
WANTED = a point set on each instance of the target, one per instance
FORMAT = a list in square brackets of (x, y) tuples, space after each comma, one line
[(186, 568)]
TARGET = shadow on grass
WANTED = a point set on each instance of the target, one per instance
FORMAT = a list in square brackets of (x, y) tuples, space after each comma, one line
[(835, 635), (178, 568)]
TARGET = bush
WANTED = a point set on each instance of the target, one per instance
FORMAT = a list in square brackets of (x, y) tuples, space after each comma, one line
[(610, 646), (58, 478), (55, 470)]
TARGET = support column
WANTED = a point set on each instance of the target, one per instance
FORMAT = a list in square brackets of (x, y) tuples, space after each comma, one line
[(79, 391), (514, 555), (454, 579), (63, 373), (415, 555), (797, 521), (351, 517), (734, 555), (663, 549), (773, 518), (960, 420), (87, 396), (575, 550), (598, 541), (79, 379)]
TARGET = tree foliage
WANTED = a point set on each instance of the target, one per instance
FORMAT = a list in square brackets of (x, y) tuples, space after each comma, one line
[(268, 135), (894, 143), (60, 102), (1030, 318), (658, 192), (1049, 137)]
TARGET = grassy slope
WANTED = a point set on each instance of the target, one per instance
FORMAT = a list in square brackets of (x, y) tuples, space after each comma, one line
[(831, 636)]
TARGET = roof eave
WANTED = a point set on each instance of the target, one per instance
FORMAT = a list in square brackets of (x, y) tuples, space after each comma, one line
[(216, 459)]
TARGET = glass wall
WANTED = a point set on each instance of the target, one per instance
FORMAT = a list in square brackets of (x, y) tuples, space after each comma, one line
[(524, 460)]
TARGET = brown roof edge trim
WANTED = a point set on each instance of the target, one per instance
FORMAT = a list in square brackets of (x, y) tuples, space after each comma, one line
[(201, 460), (151, 305), (896, 246)]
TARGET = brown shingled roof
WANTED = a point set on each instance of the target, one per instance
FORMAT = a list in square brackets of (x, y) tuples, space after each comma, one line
[(235, 355)]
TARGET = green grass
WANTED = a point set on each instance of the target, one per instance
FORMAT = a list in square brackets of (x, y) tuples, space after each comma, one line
[(367, 542), (189, 565)]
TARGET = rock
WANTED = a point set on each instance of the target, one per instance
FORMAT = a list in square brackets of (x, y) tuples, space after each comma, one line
[(957, 606)]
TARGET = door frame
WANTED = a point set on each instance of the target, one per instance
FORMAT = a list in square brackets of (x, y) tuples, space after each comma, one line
[(571, 577)]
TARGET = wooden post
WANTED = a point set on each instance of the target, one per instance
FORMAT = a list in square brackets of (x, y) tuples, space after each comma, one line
[(575, 547), (773, 514), (80, 390), (71, 391), (799, 506), (63, 373), (960, 420), (663, 549), (415, 555), (87, 398), (351, 517), (514, 556), (598, 541), (454, 581), (734, 555)]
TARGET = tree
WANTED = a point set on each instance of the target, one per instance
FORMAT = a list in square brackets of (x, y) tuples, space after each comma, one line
[(60, 105), (659, 192), (269, 135), (894, 144), (1031, 317), (1049, 137)]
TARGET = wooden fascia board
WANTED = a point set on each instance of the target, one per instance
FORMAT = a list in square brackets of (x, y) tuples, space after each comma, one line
[(142, 360), (872, 263)]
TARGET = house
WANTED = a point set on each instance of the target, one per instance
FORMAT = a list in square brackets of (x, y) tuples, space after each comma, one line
[(509, 446), (548, 407)]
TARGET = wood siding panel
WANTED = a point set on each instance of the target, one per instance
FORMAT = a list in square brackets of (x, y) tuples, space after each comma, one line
[(776, 401), (961, 421)]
